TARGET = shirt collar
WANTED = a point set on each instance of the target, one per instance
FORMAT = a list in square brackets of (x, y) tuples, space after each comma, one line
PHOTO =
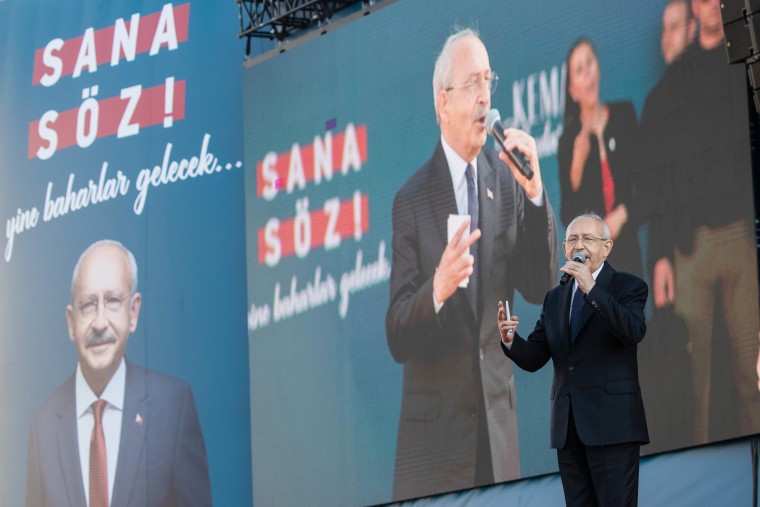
[(457, 165), (113, 393)]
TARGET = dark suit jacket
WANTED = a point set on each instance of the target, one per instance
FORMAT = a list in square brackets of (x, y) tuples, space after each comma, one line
[(162, 462), (599, 371), (450, 360), (695, 150)]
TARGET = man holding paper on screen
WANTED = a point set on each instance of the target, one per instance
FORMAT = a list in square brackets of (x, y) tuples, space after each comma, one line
[(458, 427)]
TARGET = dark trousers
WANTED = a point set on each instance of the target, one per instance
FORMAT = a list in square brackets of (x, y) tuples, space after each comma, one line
[(598, 475)]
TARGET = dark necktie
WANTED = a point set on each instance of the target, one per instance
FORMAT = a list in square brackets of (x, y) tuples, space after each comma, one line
[(575, 313), (472, 209), (98, 463)]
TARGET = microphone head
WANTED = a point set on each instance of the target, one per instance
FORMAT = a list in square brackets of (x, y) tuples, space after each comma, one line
[(492, 117), (579, 257)]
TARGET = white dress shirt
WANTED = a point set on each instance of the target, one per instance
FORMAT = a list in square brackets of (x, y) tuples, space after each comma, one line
[(457, 167), (112, 416)]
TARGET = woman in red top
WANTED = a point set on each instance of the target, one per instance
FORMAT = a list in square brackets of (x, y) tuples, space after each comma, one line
[(596, 156)]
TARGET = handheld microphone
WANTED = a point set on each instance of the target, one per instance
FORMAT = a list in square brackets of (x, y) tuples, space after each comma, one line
[(577, 257), (495, 128)]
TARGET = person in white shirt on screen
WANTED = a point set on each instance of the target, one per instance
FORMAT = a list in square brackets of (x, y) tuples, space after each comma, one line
[(458, 424)]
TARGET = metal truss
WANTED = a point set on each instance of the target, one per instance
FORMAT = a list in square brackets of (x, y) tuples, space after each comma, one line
[(278, 19)]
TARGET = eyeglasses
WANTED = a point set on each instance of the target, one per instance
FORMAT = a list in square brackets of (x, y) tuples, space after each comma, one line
[(473, 87), (111, 304), (583, 240)]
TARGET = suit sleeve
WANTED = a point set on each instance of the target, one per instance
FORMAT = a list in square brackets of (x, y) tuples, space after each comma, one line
[(531, 354), (411, 322), (624, 316), (656, 157), (623, 134), (192, 486)]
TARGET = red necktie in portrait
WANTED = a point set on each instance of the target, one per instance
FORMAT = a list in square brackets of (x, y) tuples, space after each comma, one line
[(98, 463)]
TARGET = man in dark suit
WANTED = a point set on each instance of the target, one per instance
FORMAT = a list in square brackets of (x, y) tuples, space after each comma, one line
[(457, 426), (590, 329), (114, 434)]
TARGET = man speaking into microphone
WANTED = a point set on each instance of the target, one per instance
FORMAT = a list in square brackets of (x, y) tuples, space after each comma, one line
[(458, 426), (590, 328)]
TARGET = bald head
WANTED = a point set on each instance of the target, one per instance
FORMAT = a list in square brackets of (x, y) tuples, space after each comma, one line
[(114, 249)]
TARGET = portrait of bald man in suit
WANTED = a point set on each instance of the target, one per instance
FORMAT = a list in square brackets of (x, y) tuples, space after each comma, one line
[(114, 433)]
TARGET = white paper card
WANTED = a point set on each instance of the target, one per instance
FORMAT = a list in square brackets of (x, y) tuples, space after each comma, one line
[(453, 225)]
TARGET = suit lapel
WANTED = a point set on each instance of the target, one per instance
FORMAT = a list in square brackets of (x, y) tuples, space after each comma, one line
[(440, 194), (68, 448), (134, 421)]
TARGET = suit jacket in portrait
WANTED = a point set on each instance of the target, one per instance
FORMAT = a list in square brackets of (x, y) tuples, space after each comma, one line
[(162, 457), (598, 371), (451, 364)]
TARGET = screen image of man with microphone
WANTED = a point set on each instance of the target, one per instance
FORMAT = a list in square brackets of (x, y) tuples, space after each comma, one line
[(458, 425), (590, 327)]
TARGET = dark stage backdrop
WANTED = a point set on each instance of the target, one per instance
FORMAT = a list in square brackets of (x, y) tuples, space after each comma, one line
[(333, 128)]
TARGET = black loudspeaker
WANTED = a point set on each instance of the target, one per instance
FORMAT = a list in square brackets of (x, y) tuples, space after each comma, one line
[(740, 39), (732, 10), (741, 25)]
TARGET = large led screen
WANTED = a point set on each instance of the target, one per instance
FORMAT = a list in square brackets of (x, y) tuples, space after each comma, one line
[(336, 126), (121, 121)]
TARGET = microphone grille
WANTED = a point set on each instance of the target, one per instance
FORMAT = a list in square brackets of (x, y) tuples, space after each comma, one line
[(491, 118), (579, 257)]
